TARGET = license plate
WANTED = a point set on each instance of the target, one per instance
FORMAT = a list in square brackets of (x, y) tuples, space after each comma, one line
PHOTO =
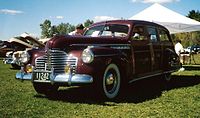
[(42, 76)]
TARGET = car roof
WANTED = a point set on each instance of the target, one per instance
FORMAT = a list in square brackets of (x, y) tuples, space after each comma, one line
[(130, 22)]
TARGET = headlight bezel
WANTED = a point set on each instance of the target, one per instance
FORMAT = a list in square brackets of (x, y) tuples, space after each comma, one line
[(87, 55)]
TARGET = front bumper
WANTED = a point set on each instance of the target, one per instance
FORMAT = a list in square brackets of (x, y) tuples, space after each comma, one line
[(65, 79), (76, 79)]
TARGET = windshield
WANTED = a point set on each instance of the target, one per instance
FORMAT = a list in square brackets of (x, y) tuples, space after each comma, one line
[(114, 30)]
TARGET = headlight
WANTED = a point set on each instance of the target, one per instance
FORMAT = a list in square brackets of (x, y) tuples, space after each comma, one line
[(25, 57), (87, 56)]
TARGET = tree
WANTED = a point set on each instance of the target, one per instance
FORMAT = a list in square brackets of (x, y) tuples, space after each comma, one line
[(65, 28), (194, 15), (62, 28), (70, 28), (88, 22), (49, 31), (53, 31), (195, 35), (46, 29)]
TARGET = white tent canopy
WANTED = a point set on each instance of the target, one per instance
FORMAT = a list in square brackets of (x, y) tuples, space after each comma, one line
[(174, 22)]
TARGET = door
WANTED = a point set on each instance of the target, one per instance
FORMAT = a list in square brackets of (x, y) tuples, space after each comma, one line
[(167, 45), (141, 51), (155, 47)]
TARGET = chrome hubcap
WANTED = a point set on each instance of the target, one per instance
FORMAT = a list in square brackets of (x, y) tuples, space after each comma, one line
[(111, 82), (110, 79)]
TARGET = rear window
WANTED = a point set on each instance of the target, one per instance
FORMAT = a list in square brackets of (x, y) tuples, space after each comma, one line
[(114, 30)]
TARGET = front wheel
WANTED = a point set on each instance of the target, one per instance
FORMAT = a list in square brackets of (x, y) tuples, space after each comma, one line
[(111, 81)]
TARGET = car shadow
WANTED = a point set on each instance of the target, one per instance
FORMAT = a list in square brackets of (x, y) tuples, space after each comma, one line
[(136, 92), (150, 89), (14, 68), (83, 94)]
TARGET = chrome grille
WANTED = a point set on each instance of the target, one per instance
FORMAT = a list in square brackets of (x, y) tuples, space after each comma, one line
[(57, 60)]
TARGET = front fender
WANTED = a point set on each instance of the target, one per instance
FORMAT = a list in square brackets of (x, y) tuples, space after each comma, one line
[(34, 53), (103, 56)]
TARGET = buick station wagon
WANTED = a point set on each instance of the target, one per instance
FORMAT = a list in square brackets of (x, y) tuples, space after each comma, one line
[(108, 56)]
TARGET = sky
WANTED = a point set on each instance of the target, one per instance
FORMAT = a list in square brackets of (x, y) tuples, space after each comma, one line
[(19, 16)]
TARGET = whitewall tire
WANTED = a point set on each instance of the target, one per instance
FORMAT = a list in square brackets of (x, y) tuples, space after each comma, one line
[(111, 81)]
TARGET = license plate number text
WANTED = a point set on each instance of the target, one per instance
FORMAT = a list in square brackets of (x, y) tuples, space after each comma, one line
[(42, 76)]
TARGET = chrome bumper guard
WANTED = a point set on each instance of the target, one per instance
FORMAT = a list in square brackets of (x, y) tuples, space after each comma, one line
[(69, 79)]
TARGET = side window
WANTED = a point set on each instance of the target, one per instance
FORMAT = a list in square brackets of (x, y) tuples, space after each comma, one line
[(152, 34), (163, 35), (139, 33)]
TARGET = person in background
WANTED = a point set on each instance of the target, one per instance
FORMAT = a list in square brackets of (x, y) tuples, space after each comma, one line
[(179, 49), (78, 31)]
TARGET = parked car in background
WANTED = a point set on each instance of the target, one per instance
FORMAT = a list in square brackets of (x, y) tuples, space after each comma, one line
[(109, 56), (21, 44), (27, 58), (192, 49), (5, 47), (187, 50), (195, 48)]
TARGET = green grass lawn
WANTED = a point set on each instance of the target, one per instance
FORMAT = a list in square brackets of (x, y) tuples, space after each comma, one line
[(178, 98)]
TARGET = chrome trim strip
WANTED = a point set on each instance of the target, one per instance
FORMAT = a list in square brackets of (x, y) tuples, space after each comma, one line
[(100, 45), (114, 46), (160, 73), (106, 55), (170, 71), (140, 78), (143, 51)]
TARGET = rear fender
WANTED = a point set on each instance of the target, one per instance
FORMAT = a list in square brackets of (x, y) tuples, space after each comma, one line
[(172, 61)]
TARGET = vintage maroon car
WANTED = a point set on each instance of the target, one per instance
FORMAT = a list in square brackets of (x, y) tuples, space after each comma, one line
[(110, 55)]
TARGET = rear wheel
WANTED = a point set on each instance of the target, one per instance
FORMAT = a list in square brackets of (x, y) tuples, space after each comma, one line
[(45, 88), (111, 81)]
